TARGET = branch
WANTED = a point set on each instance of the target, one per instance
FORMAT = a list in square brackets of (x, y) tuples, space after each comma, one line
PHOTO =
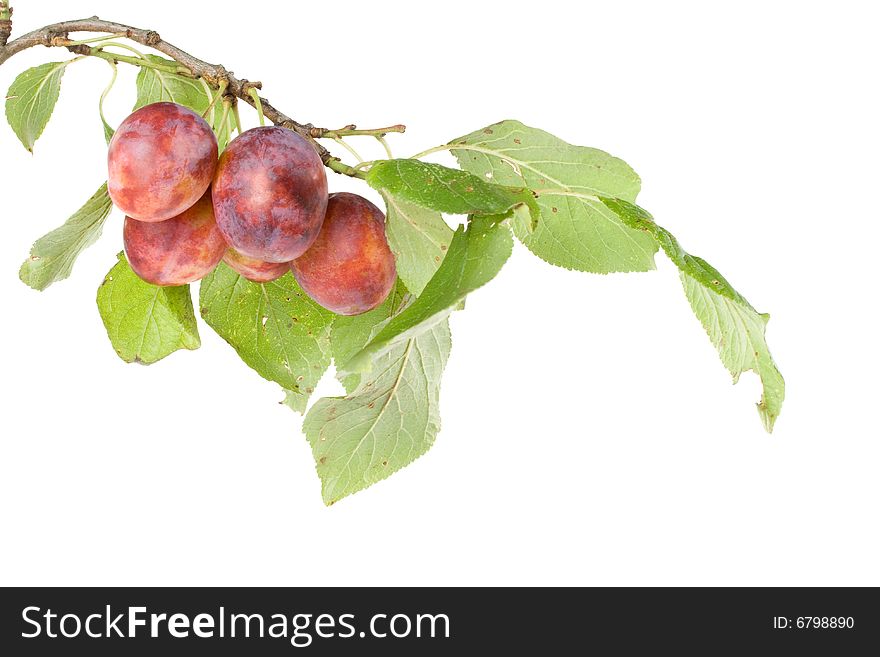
[(56, 35), (5, 22), (352, 131)]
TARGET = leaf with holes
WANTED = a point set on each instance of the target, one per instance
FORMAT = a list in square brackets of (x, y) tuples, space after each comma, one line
[(575, 230), (572, 206), (475, 257), (388, 421), (419, 239), (145, 323), (734, 327), (447, 190), (275, 328), (351, 333)]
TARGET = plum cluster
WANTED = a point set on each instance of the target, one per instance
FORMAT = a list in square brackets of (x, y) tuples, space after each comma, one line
[(262, 208)]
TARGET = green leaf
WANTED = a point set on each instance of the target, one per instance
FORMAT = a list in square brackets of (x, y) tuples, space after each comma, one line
[(154, 86), (275, 328), (475, 256), (388, 421), (575, 230), (419, 239), (145, 323), (296, 400), (734, 326), (31, 99), (447, 190), (351, 333), (52, 256)]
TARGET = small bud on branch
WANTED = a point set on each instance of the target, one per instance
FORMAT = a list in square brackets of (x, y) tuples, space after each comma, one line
[(56, 35)]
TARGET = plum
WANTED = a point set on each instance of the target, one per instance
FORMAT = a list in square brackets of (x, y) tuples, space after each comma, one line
[(161, 160), (258, 271), (176, 251), (270, 194), (350, 268)]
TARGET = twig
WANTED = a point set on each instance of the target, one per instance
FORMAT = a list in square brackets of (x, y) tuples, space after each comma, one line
[(352, 131), (57, 35)]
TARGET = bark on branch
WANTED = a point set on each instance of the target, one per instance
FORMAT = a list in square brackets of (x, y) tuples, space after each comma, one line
[(57, 34)]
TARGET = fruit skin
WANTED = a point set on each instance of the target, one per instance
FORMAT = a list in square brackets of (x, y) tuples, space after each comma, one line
[(270, 194), (255, 270), (160, 161), (350, 268), (180, 250)]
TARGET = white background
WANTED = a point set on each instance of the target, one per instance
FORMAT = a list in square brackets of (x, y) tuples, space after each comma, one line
[(590, 433)]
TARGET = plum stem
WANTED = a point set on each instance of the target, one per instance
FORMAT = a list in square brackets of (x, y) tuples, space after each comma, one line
[(220, 91), (348, 147), (257, 104), (381, 140), (56, 34), (227, 105), (107, 91), (236, 115)]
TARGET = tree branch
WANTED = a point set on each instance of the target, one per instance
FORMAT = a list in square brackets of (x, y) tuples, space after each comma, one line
[(352, 130), (5, 22), (56, 35)]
